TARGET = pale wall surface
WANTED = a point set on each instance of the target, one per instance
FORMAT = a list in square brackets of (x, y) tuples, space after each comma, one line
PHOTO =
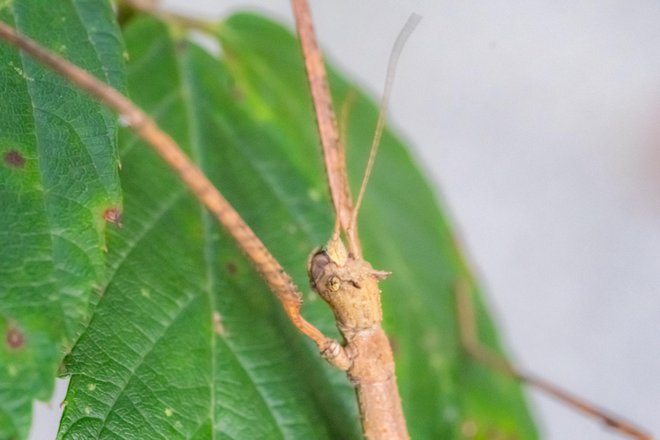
[(540, 122)]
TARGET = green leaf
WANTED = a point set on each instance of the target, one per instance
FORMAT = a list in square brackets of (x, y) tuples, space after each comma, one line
[(402, 230), (58, 176), (187, 341)]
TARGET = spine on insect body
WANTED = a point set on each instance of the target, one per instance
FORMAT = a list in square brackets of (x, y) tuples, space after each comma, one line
[(350, 286)]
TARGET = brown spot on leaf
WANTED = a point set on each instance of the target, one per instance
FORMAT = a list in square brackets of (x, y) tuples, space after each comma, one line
[(181, 45), (469, 428), (112, 215), (15, 338), (14, 159), (231, 267), (493, 433), (237, 94)]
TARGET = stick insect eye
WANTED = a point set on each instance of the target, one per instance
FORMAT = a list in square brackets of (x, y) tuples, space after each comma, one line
[(333, 284)]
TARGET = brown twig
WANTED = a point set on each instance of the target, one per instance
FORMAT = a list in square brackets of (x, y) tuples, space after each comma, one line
[(268, 267), (473, 347), (333, 155)]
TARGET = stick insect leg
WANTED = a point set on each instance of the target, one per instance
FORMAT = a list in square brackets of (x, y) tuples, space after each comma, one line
[(472, 346)]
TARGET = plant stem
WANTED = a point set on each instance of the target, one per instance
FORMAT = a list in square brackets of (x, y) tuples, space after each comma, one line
[(475, 349)]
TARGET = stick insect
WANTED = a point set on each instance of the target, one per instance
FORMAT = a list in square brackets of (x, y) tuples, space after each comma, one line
[(338, 272)]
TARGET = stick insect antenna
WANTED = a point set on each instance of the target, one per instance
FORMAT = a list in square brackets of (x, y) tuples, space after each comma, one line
[(406, 31)]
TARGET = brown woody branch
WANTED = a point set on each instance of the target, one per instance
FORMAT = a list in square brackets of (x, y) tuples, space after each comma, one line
[(475, 349)]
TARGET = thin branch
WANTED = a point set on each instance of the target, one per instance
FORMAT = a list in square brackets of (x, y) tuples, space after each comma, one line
[(325, 117), (474, 348), (275, 276)]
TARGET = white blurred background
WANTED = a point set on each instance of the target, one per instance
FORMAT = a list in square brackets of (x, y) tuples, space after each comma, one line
[(540, 123)]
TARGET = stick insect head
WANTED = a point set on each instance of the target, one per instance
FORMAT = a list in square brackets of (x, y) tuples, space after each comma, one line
[(349, 285)]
